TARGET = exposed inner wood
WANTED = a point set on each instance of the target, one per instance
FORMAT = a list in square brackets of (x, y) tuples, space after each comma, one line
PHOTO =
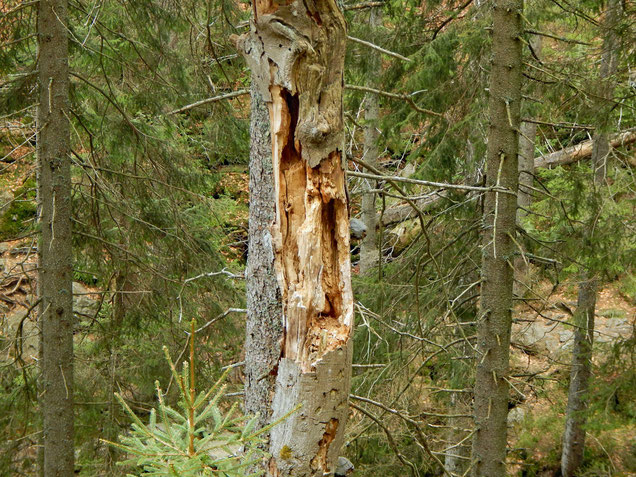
[(296, 51), (320, 461), (312, 238)]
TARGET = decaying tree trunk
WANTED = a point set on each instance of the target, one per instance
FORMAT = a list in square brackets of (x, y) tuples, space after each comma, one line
[(369, 247), (495, 320), (583, 150), (296, 53), (55, 248)]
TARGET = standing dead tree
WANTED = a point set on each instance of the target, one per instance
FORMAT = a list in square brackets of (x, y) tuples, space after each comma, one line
[(296, 54)]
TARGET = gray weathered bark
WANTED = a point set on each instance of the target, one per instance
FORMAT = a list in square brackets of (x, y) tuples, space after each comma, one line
[(264, 328), (574, 436), (55, 247), (296, 54), (369, 247), (527, 136), (494, 321)]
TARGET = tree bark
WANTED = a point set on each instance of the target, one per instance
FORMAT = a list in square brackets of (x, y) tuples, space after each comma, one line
[(369, 246), (264, 328), (574, 437), (296, 54), (55, 247), (494, 321)]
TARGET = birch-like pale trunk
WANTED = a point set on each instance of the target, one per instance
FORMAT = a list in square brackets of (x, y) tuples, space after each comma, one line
[(296, 54), (369, 247)]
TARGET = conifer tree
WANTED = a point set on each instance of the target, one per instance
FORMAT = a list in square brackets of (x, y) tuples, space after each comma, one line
[(495, 316), (55, 244)]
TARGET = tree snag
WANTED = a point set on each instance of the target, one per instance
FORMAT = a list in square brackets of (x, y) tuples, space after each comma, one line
[(296, 54)]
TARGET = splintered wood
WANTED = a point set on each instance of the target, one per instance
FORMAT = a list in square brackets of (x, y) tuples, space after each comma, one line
[(296, 52)]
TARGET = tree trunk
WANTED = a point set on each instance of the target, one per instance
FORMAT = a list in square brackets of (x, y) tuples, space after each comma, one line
[(494, 321), (457, 458), (604, 101), (296, 53), (55, 252), (369, 247), (264, 328), (527, 136), (574, 437)]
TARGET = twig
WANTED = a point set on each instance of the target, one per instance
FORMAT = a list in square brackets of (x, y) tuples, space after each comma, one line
[(233, 94), (555, 37), (219, 317), (378, 48), (403, 97), (441, 185)]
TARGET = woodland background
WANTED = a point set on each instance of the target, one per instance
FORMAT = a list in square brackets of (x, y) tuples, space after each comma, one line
[(160, 206)]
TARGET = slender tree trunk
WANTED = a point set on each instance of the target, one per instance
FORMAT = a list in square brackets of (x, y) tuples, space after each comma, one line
[(457, 458), (526, 167), (296, 53), (369, 246), (55, 247), (527, 136), (264, 329), (574, 436), (494, 321)]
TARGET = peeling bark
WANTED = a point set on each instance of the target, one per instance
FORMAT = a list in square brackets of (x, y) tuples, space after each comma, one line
[(264, 327), (296, 53)]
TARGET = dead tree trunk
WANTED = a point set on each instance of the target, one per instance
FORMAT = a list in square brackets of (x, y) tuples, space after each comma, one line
[(55, 252), (494, 320), (296, 53), (583, 150), (369, 247)]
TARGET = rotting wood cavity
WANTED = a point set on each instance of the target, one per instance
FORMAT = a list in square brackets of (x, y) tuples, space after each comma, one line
[(319, 462), (314, 246)]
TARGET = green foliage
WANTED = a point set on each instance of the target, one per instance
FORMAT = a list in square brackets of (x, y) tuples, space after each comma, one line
[(198, 439)]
